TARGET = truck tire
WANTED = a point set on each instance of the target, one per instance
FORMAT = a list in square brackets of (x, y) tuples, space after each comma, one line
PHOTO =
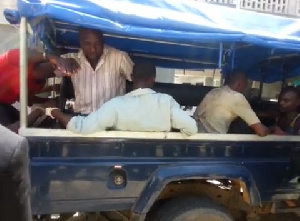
[(191, 209)]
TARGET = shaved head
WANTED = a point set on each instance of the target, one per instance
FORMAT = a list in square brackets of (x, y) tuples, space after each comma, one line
[(238, 81), (143, 75), (237, 76)]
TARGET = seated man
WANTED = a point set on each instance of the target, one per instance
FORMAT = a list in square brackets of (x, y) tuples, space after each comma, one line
[(222, 105), (140, 110), (14, 177), (288, 120)]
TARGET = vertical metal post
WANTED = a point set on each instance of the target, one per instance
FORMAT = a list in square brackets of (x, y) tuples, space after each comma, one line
[(220, 56), (261, 82), (232, 56), (23, 73), (284, 74)]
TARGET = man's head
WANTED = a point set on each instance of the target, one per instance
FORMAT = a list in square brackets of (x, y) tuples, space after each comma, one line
[(238, 81), (91, 43), (289, 99), (143, 75)]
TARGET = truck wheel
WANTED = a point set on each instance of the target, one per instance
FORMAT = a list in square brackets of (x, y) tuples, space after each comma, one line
[(191, 209)]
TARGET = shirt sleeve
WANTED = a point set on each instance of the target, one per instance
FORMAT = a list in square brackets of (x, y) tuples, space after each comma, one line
[(181, 120), (100, 120), (126, 65), (242, 108)]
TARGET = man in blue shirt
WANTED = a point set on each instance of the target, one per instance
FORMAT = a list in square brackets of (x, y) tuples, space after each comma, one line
[(141, 110)]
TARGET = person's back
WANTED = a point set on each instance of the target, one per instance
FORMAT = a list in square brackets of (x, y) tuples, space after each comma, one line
[(154, 111), (140, 110), (222, 105), (216, 110)]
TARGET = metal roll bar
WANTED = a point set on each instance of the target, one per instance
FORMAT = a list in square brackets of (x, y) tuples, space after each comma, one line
[(23, 73)]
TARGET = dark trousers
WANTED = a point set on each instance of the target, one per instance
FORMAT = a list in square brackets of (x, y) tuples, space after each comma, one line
[(8, 114), (14, 177)]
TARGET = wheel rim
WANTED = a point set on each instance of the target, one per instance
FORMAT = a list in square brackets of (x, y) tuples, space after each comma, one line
[(204, 217)]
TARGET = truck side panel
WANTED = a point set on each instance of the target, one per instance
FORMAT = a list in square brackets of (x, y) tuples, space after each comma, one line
[(77, 174)]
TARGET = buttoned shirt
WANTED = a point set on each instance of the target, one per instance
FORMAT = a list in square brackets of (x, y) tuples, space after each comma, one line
[(141, 110), (95, 87), (220, 107)]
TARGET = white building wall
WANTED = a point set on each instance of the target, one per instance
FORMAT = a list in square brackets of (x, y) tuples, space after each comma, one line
[(11, 4), (9, 34)]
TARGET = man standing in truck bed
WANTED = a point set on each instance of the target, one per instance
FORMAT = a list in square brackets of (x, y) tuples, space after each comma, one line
[(142, 110), (98, 72)]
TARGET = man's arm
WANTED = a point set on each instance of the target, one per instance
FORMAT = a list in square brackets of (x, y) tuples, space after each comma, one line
[(260, 129), (45, 63), (100, 120), (34, 57), (242, 108), (32, 117), (181, 120), (126, 65), (43, 71), (62, 118)]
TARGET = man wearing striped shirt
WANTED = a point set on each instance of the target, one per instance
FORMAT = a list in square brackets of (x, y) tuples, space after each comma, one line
[(141, 110), (98, 72)]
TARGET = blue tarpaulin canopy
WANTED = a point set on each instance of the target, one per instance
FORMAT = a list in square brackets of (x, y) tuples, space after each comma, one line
[(173, 33)]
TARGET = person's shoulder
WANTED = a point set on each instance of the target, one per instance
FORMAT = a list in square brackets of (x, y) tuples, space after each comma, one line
[(10, 55), (10, 141), (215, 92), (233, 94), (113, 51), (166, 98), (114, 101), (164, 95), (14, 51)]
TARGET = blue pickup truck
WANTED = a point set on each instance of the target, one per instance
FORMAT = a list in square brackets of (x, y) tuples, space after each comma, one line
[(138, 176)]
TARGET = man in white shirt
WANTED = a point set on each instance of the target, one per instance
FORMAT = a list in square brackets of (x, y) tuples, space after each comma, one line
[(140, 110), (98, 72), (222, 105)]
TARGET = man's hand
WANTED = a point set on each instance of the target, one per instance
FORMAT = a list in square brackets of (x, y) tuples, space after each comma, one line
[(37, 111), (49, 110), (277, 131), (57, 114), (63, 66), (260, 129)]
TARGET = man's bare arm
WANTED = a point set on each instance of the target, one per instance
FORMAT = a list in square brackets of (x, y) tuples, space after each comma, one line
[(43, 71), (46, 70), (32, 117), (260, 129), (61, 117)]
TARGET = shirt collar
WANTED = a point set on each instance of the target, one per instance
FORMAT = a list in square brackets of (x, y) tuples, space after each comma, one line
[(140, 91)]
